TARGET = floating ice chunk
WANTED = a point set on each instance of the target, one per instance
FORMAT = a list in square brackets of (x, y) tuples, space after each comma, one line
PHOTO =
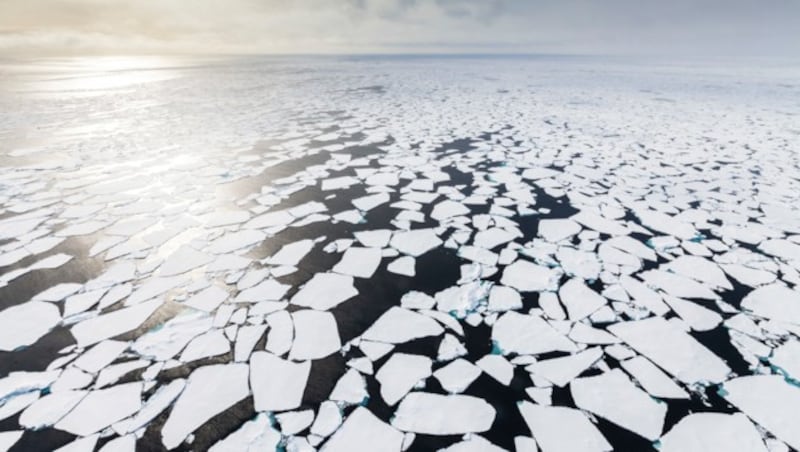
[(235, 241), (461, 299), (548, 301), (676, 285), (112, 374), (377, 238), (152, 288), (359, 262), (271, 219), (525, 444), (436, 414), (315, 335), (281, 332), (228, 262), (336, 183), (400, 374), (182, 260), (497, 367), (610, 255), (351, 388), (293, 422), (85, 444), (211, 343), (375, 350), (784, 249), (17, 403), (50, 409), (528, 334), (101, 408), (457, 376), (208, 299), (351, 216), (23, 324), (581, 264), (268, 290), (579, 299), (363, 431), (474, 444), (51, 262), (170, 338), (752, 277), (125, 443), (478, 255), (21, 382), (158, 402), (292, 253), (209, 390), (776, 302), (643, 296), (81, 302), (324, 291), (672, 349), (254, 435), (770, 401), (448, 209), (696, 316), (526, 276), (493, 237), (613, 396), (246, 339), (100, 355), (787, 358), (585, 334), (503, 298), (370, 202), (278, 384), (58, 292), (416, 242), (632, 246), (403, 265), (599, 223), (9, 438), (666, 224), (700, 432), (329, 418), (556, 230), (560, 371), (652, 379), (701, 269), (562, 429), (398, 325)]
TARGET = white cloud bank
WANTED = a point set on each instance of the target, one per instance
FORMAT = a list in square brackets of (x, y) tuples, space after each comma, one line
[(684, 27)]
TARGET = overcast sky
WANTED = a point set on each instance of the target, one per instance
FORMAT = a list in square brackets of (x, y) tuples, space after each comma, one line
[(683, 27)]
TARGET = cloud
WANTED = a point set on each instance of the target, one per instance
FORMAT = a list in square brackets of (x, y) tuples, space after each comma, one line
[(704, 27)]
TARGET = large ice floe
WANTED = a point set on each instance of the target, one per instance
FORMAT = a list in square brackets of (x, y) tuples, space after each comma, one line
[(400, 254)]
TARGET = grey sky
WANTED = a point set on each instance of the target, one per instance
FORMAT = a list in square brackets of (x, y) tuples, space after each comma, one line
[(683, 27)]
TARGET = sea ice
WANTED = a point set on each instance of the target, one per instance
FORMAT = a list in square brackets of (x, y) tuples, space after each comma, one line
[(24, 324), (209, 390), (325, 291), (613, 396), (278, 384), (436, 414), (315, 335), (562, 429), (526, 276), (672, 349), (400, 374), (362, 431)]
